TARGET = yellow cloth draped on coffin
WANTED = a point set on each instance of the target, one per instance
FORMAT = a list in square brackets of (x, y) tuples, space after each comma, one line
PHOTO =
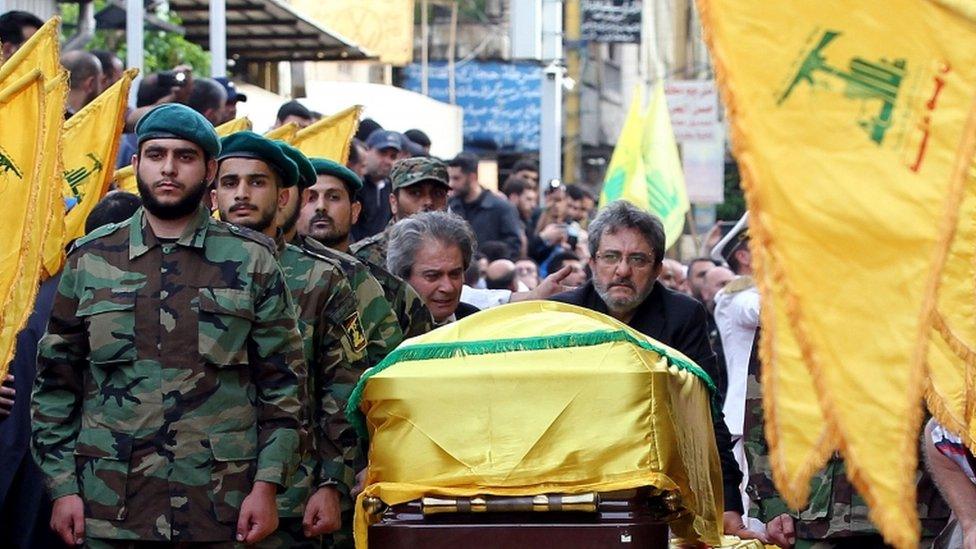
[(21, 191), (125, 178), (330, 137), (853, 128), (539, 397), (41, 52), (91, 143)]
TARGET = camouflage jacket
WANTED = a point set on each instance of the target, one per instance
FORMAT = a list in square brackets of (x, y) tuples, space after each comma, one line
[(379, 321), (169, 379), (834, 510), (414, 317), (334, 349)]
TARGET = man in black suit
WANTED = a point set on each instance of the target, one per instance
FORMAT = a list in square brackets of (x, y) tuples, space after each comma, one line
[(627, 250)]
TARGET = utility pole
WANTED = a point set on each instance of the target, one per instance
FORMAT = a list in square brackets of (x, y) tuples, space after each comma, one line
[(218, 38), (573, 142), (551, 131), (134, 25)]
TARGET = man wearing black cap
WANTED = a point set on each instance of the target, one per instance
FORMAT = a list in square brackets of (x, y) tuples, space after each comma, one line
[(168, 393), (252, 179), (382, 150), (234, 97)]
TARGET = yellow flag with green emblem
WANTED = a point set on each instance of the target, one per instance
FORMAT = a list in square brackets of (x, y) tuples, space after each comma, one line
[(645, 169), (330, 137), (124, 179), (21, 191), (284, 133), (854, 130), (41, 52), (236, 125), (91, 142)]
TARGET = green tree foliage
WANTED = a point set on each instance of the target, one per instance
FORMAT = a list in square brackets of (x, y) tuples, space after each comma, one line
[(162, 50)]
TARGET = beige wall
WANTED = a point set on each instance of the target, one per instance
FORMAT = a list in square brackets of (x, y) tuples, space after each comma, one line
[(384, 27)]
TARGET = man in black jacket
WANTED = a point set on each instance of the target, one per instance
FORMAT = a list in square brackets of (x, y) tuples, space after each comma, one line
[(491, 217), (627, 249)]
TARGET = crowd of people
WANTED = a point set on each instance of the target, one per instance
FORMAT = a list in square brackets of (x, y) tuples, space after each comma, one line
[(189, 375)]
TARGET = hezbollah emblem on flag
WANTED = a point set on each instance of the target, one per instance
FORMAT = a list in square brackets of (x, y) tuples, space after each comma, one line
[(79, 175), (875, 85), (8, 169)]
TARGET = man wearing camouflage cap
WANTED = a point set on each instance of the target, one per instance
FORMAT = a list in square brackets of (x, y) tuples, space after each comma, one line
[(166, 405), (419, 185), (253, 178)]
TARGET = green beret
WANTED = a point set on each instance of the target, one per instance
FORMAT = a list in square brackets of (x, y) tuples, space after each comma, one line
[(252, 145), (175, 121), (306, 173), (418, 169), (324, 166)]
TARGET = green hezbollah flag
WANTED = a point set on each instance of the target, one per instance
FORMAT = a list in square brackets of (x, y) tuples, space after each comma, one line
[(645, 169)]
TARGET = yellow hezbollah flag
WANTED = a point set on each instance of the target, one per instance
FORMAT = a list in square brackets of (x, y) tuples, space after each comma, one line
[(853, 128), (21, 191), (284, 133), (236, 125), (91, 142), (124, 179), (330, 137), (41, 52), (543, 398), (645, 169)]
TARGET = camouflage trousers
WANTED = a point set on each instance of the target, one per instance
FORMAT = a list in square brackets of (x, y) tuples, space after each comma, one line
[(290, 535), (100, 543), (864, 541), (342, 538)]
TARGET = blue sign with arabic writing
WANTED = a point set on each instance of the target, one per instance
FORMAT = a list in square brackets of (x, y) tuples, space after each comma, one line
[(502, 101)]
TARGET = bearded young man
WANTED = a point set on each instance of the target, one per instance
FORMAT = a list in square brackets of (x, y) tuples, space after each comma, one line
[(167, 400), (254, 178)]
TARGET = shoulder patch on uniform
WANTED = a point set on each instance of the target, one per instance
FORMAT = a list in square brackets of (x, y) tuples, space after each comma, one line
[(354, 329), (739, 284), (364, 243), (100, 232), (314, 254), (250, 234)]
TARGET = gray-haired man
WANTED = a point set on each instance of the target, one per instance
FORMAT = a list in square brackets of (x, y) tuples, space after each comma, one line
[(431, 251)]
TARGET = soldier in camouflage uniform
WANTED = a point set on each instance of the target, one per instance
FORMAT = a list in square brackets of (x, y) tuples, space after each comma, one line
[(419, 185), (251, 181), (166, 404), (836, 515), (327, 204), (383, 332)]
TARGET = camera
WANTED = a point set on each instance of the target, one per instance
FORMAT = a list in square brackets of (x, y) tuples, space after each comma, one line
[(172, 79), (572, 233)]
